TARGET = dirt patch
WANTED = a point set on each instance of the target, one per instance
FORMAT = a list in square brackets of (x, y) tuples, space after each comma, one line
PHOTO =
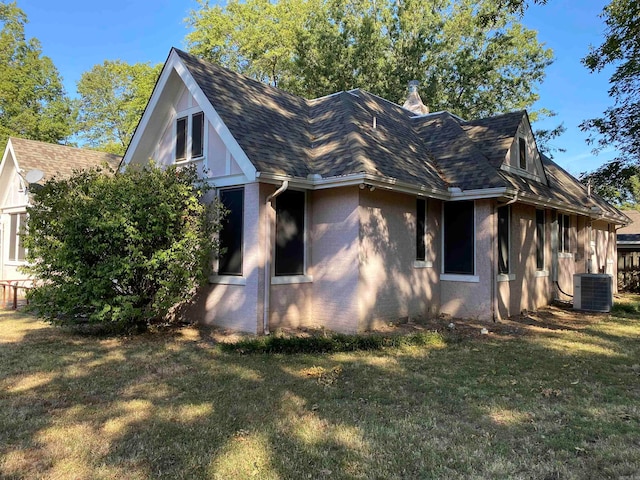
[(554, 317)]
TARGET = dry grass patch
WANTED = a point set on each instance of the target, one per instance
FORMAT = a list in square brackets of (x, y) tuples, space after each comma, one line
[(548, 395)]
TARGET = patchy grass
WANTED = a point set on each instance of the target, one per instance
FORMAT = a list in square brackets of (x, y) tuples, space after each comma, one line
[(561, 399)]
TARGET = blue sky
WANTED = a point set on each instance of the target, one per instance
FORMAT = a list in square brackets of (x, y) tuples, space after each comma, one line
[(77, 34)]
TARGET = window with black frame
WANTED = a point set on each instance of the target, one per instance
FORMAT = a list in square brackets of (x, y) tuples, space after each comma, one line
[(503, 239), (290, 238), (230, 259), (540, 239), (421, 229), (458, 238)]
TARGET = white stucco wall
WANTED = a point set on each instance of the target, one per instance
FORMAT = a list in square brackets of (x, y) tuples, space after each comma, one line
[(527, 287)]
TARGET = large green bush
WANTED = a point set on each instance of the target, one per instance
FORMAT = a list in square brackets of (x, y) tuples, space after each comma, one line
[(122, 250)]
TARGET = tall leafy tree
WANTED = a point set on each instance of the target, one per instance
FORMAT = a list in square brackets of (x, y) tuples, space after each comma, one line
[(33, 103), (618, 180), (620, 124), (113, 96), (473, 58)]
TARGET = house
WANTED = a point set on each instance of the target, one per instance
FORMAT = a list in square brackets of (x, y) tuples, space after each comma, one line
[(347, 211), (24, 163), (628, 243)]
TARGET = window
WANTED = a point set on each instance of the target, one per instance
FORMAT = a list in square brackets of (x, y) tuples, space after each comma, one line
[(181, 138), (190, 147), (540, 239), (290, 223), (503, 239), (459, 238), (421, 213), (564, 225), (522, 153), (197, 135), (230, 261), (18, 222)]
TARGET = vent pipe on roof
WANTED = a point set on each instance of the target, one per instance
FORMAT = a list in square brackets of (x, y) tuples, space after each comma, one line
[(414, 102)]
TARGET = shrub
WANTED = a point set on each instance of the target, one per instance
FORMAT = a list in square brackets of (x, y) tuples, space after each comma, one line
[(333, 343), (121, 250)]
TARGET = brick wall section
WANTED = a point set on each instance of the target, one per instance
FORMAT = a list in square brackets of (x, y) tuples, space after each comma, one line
[(390, 287), (468, 299), (237, 306), (334, 258)]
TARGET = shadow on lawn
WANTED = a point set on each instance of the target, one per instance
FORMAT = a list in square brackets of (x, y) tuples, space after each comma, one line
[(173, 406)]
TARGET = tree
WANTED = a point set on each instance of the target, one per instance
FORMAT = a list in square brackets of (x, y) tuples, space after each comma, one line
[(113, 97), (466, 65), (620, 124), (33, 103), (119, 250), (617, 182)]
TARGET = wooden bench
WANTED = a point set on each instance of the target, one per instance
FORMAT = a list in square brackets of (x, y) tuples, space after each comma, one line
[(14, 285)]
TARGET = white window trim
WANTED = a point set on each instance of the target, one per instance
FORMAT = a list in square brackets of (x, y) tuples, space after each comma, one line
[(449, 276), (454, 277), (563, 250), (506, 277), (227, 279), (291, 279), (541, 273), (8, 260), (422, 264), (188, 114)]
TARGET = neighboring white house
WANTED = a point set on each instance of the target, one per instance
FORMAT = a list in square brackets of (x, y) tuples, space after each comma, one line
[(349, 210), (44, 160)]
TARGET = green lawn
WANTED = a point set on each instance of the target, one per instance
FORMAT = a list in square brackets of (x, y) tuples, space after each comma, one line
[(557, 402)]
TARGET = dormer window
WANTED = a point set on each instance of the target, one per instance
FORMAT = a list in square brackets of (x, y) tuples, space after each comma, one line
[(522, 153), (190, 137)]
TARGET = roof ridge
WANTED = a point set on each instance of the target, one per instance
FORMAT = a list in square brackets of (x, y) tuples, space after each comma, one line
[(493, 117)]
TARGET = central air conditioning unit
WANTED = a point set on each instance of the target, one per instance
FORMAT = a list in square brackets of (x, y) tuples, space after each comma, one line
[(592, 292)]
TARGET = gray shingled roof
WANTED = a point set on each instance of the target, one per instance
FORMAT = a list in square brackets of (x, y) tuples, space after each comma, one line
[(494, 135), (53, 159), (634, 226), (357, 132)]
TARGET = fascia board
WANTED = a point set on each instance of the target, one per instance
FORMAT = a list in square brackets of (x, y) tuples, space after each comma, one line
[(149, 110), (9, 152)]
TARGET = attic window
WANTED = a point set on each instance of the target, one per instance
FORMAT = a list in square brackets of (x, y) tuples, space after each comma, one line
[(522, 153), (190, 137)]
